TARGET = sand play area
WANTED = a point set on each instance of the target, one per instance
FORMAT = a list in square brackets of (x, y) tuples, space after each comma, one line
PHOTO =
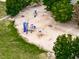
[(46, 31)]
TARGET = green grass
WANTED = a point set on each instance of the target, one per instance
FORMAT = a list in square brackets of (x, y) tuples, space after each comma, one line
[(12, 46), (2, 9)]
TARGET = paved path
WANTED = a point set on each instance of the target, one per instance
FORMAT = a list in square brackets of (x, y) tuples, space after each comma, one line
[(5, 18)]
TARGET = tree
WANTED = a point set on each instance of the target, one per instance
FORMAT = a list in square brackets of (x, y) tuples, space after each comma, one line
[(61, 9), (66, 47), (14, 6), (76, 47), (63, 47)]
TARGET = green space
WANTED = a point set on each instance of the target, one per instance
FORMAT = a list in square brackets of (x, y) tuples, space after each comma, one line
[(12, 46), (2, 9)]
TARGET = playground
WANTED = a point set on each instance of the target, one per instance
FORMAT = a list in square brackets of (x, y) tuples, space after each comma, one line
[(40, 28), (37, 27)]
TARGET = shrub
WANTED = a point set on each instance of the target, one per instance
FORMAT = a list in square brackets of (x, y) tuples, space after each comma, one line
[(76, 46), (49, 3), (61, 9), (14, 6), (63, 47), (66, 47)]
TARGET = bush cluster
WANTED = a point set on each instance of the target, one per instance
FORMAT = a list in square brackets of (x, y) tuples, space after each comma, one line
[(14, 6), (61, 9), (66, 47)]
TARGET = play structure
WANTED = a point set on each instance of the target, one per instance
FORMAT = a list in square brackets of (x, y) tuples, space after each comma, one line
[(25, 27), (25, 24)]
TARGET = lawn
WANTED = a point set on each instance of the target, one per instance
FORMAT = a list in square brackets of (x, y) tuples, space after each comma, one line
[(2, 9), (12, 46)]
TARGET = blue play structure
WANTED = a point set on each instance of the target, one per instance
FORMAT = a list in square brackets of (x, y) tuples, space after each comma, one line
[(25, 27)]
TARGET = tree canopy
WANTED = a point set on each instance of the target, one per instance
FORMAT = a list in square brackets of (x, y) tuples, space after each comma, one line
[(61, 9), (66, 47), (14, 6)]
